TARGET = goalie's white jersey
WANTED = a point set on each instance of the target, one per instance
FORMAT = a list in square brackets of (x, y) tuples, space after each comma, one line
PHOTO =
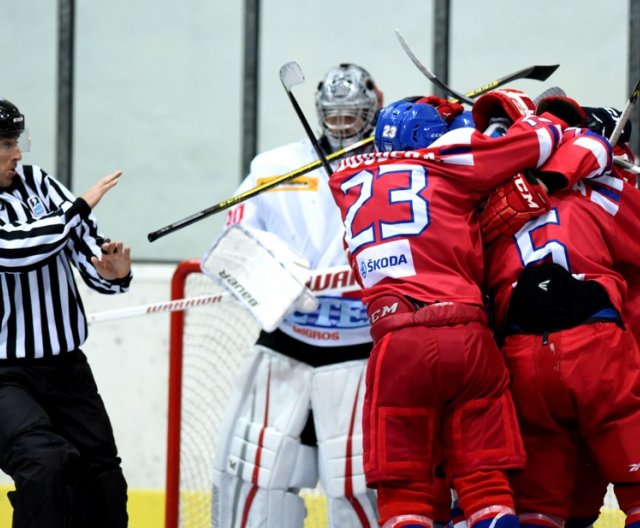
[(303, 214)]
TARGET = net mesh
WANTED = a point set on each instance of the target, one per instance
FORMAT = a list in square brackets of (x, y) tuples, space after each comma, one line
[(215, 339)]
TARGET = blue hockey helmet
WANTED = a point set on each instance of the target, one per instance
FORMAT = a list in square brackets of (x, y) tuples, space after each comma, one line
[(463, 120), (408, 125)]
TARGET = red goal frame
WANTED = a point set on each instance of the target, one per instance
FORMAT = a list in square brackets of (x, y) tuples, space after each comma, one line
[(174, 410)]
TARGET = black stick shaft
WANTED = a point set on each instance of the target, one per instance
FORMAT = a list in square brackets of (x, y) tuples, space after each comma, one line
[(314, 141), (533, 72), (234, 200), (538, 73)]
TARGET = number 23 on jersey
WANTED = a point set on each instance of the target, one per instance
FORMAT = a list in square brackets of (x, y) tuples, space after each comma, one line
[(379, 189)]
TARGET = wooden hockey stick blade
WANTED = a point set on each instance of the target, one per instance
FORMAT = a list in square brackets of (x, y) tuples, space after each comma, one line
[(277, 180), (537, 73), (428, 74), (626, 114)]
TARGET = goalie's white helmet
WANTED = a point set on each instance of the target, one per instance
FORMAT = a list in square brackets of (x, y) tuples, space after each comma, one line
[(347, 100)]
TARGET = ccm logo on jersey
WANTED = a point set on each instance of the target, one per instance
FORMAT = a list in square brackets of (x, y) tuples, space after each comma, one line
[(381, 312), (522, 186)]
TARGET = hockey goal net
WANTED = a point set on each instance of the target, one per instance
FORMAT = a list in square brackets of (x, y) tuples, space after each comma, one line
[(207, 345)]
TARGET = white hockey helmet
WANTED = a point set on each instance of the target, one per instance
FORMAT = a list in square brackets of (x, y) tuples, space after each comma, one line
[(347, 100)]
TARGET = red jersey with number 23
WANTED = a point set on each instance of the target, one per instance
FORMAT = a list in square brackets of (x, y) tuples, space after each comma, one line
[(410, 218)]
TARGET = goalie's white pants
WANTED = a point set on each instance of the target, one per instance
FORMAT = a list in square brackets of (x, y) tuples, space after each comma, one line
[(260, 464)]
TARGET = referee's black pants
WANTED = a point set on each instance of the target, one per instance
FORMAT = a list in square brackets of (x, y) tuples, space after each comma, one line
[(57, 444)]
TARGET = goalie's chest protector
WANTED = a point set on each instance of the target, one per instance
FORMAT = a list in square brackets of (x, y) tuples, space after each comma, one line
[(302, 213)]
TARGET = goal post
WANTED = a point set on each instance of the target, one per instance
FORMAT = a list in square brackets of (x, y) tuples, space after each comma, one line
[(206, 347), (174, 411)]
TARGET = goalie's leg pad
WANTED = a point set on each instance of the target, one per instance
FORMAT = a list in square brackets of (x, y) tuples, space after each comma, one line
[(337, 395), (260, 460), (240, 504)]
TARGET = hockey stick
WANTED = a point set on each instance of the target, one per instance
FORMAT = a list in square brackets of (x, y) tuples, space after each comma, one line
[(234, 200), (327, 281), (538, 72), (428, 73), (553, 91), (627, 165), (290, 75), (161, 307), (533, 72), (626, 114)]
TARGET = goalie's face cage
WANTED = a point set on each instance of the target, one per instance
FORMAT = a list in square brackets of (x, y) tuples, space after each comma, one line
[(346, 102)]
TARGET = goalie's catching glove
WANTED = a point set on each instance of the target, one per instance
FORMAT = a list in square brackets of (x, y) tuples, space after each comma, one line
[(511, 205)]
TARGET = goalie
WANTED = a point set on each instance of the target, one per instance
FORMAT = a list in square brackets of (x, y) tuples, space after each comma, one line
[(296, 413)]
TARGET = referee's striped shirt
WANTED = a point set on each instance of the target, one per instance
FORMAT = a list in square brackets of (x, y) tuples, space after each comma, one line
[(44, 230)]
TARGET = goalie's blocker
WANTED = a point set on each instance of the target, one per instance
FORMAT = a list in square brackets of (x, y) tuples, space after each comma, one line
[(262, 272)]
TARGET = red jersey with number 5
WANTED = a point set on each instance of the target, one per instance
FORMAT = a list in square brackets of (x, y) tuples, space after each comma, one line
[(410, 217), (591, 230)]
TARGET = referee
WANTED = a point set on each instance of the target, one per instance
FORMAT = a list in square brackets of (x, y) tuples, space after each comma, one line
[(56, 440)]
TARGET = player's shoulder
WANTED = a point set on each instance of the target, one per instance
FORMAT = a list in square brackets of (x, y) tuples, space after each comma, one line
[(284, 158)]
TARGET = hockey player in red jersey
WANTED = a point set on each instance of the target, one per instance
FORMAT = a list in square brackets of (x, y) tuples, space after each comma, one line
[(436, 383), (558, 293)]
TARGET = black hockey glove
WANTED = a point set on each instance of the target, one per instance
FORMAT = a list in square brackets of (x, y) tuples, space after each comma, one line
[(603, 120)]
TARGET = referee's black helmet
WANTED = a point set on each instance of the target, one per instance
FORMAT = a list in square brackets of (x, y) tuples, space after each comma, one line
[(11, 120)]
